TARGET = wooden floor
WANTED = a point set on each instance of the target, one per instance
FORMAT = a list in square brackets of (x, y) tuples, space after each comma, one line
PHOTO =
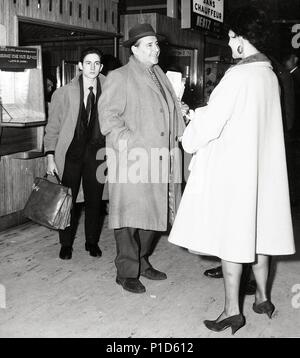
[(43, 296)]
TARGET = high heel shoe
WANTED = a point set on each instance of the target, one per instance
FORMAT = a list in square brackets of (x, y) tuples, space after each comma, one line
[(235, 322), (264, 307)]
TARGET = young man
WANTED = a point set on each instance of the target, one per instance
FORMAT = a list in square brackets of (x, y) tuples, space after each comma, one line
[(71, 142), (139, 115)]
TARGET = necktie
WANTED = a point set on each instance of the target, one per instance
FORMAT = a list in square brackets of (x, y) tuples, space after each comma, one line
[(156, 81), (90, 103)]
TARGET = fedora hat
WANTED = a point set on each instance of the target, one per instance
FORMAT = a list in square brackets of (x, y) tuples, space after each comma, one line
[(138, 31)]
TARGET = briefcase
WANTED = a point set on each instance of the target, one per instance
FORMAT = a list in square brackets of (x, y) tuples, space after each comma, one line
[(49, 204)]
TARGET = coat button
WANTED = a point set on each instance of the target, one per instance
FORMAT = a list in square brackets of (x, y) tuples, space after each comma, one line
[(160, 157), (161, 110), (162, 134), (176, 138)]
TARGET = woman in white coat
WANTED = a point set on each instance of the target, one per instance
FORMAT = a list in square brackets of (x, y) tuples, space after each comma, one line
[(236, 203)]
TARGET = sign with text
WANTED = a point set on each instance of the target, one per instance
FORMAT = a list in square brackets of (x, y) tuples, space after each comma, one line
[(17, 57), (213, 9), (204, 15)]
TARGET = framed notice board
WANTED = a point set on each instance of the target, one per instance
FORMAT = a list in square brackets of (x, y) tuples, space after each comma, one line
[(22, 107), (21, 87)]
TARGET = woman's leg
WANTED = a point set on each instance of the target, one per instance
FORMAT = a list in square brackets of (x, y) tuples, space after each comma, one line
[(232, 275), (261, 272)]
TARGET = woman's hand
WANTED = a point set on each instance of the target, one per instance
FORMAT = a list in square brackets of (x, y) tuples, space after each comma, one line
[(190, 115), (184, 111), (184, 108), (51, 165)]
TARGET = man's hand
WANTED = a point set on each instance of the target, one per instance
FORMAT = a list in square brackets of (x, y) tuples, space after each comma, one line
[(51, 165)]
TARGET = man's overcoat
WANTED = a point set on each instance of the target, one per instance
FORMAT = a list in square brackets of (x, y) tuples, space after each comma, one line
[(141, 126)]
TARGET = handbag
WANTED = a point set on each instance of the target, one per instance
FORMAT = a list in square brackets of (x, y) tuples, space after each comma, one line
[(49, 203)]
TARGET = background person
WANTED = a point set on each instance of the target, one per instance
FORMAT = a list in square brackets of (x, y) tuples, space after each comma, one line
[(291, 63)]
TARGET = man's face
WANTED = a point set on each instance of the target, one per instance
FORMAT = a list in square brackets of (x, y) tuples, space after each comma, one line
[(91, 66), (147, 50)]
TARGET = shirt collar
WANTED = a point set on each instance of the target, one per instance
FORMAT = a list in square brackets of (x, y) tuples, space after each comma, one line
[(87, 84), (294, 69)]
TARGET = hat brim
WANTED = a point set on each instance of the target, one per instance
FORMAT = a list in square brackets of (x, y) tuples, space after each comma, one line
[(133, 40)]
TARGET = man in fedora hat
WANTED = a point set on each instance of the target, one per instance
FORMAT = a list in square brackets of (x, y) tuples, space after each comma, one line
[(141, 117)]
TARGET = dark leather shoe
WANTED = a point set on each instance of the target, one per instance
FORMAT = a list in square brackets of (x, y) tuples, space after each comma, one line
[(131, 284), (153, 274), (94, 249), (214, 272), (65, 252)]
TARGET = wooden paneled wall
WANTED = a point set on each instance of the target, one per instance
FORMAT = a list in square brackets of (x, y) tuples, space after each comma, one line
[(101, 15), (17, 139), (166, 26), (16, 178), (70, 51)]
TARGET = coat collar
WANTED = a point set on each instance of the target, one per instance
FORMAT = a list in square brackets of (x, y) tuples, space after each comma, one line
[(143, 72), (74, 93), (75, 81), (258, 57), (172, 102)]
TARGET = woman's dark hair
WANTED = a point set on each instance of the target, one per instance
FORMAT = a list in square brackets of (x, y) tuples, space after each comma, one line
[(89, 51), (252, 24)]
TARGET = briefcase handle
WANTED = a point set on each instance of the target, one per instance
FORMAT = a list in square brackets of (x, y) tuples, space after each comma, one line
[(56, 176)]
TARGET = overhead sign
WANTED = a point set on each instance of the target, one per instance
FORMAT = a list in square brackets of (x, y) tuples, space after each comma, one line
[(205, 15), (17, 57), (213, 9)]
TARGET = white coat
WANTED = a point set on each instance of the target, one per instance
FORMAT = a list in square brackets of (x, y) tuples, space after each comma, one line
[(236, 202)]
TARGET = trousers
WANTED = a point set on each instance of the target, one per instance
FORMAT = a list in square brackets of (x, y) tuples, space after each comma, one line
[(134, 246), (84, 168)]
